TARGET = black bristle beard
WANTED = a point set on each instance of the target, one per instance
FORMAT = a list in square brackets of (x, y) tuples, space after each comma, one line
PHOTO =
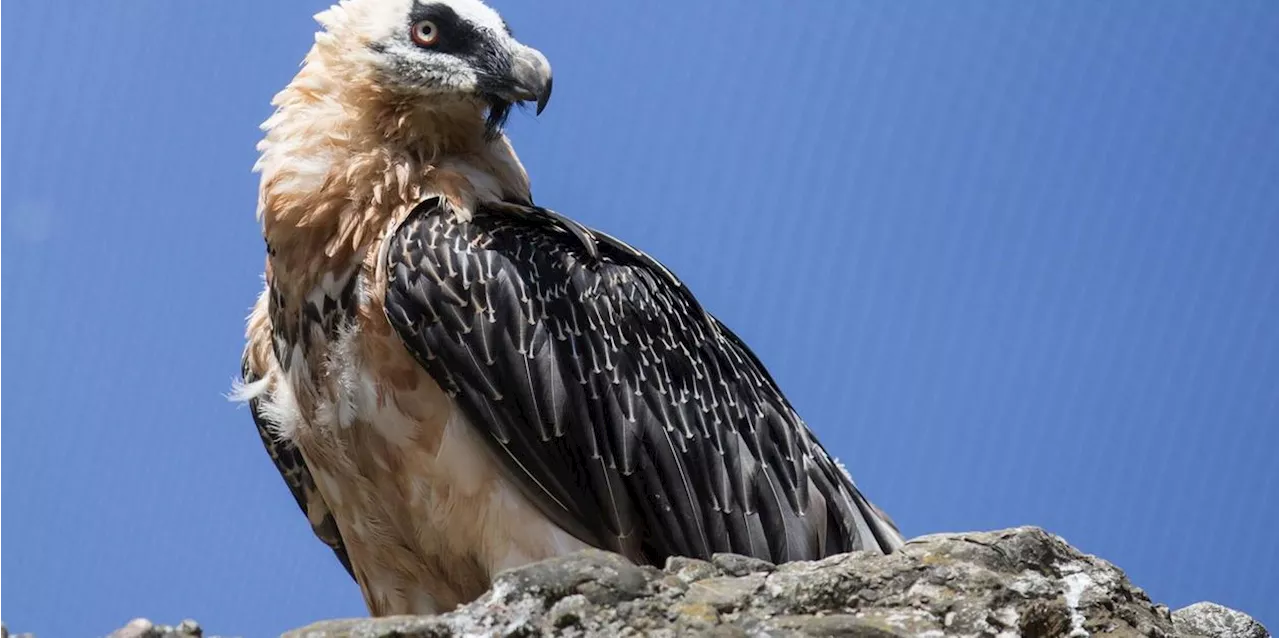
[(499, 111)]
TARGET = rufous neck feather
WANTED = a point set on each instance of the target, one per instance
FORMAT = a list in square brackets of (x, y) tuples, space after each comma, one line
[(343, 159)]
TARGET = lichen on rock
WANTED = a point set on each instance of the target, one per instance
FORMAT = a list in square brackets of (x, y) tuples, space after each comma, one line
[(1021, 582), (1017, 582), (1210, 620)]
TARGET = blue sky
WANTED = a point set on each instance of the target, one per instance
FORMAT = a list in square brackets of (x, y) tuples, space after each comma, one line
[(1014, 262)]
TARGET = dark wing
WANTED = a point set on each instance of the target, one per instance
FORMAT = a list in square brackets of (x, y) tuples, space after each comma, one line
[(293, 469), (630, 415)]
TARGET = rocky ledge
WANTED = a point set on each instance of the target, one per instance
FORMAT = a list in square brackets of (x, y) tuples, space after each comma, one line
[(1017, 582)]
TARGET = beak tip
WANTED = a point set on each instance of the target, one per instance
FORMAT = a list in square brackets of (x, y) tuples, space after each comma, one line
[(544, 96)]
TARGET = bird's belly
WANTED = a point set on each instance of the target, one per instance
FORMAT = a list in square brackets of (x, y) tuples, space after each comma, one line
[(425, 513)]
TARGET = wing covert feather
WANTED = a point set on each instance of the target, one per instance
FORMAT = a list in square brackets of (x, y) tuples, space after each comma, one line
[(629, 415)]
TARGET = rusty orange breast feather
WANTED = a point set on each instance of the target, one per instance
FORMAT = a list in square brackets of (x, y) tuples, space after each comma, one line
[(424, 511), (422, 508)]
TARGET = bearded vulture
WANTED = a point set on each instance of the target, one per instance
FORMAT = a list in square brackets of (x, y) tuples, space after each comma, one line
[(454, 381)]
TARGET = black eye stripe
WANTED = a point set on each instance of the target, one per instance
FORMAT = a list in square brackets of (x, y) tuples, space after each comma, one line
[(479, 47), (453, 34), (438, 13)]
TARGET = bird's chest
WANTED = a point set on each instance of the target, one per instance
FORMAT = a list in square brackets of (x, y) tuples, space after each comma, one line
[(422, 507), (350, 379)]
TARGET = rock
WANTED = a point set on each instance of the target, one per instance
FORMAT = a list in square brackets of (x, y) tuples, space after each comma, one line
[(143, 628), (1215, 621), (690, 569), (4, 633), (725, 593), (739, 565), (397, 626), (1017, 582)]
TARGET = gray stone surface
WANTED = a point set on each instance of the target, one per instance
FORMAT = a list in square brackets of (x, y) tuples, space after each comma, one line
[(1211, 620), (1016, 582), (143, 628), (4, 633)]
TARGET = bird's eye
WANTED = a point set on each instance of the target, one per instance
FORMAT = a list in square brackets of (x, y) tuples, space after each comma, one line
[(424, 33)]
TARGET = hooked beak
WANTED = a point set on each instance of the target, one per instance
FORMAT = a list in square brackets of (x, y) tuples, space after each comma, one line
[(530, 78), (525, 78)]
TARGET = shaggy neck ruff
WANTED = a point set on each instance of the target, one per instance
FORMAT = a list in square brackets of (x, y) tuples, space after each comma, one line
[(343, 159)]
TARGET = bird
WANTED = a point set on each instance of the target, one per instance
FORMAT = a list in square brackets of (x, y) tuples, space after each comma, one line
[(454, 381)]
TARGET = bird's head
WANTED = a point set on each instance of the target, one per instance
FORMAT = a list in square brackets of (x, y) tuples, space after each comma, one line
[(395, 100), (435, 54)]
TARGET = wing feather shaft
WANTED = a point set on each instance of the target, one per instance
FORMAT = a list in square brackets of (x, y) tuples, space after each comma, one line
[(638, 421)]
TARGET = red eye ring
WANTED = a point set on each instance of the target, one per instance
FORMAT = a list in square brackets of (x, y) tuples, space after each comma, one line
[(424, 33)]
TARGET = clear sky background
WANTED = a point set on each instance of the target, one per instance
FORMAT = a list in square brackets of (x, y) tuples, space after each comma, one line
[(1014, 262)]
